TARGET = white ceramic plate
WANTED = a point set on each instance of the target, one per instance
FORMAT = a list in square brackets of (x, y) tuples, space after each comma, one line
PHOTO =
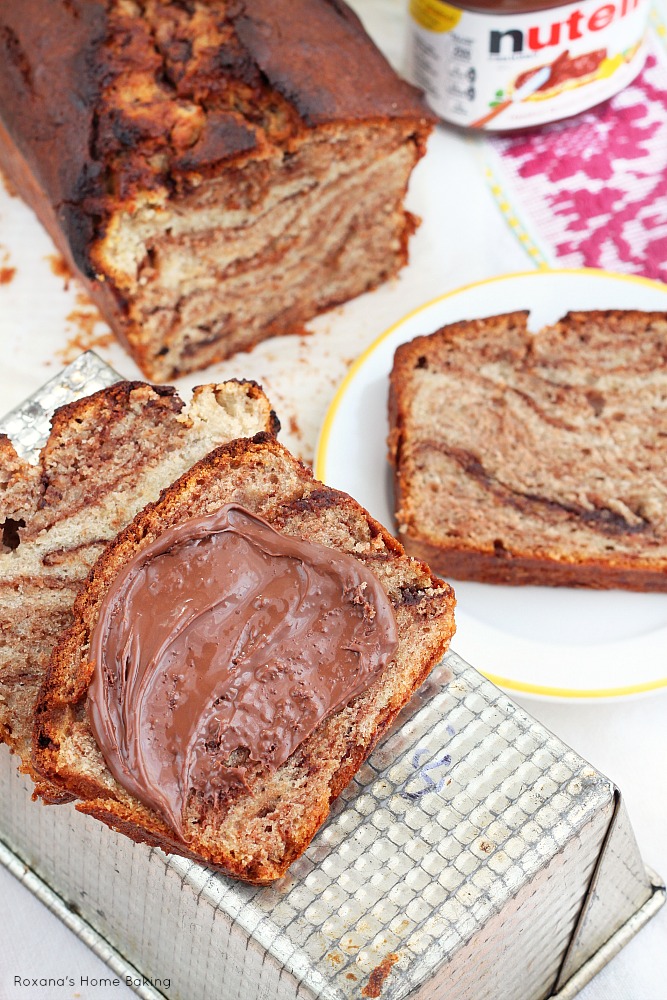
[(545, 642)]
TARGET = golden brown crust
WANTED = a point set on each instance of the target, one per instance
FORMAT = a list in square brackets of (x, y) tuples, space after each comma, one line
[(256, 835), (520, 569), (546, 467)]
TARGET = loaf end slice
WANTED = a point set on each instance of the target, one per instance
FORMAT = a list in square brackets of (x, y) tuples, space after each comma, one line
[(107, 456), (535, 458), (256, 834)]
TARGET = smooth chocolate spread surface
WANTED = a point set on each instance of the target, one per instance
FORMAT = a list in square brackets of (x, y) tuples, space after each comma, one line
[(227, 639)]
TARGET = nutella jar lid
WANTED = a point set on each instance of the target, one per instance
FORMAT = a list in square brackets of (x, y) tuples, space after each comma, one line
[(514, 65)]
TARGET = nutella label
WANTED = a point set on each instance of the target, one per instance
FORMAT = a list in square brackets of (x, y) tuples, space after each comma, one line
[(218, 650), (516, 70)]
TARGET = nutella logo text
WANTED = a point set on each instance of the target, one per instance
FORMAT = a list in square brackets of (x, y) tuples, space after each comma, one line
[(575, 26)]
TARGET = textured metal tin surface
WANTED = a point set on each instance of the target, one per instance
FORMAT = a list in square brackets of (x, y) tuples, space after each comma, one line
[(473, 856), (612, 894), (28, 425), (116, 962)]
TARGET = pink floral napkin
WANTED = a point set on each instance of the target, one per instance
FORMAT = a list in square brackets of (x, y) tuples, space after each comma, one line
[(592, 192)]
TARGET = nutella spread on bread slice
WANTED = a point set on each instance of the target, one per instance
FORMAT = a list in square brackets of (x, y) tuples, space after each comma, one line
[(225, 643), (323, 695), (107, 456)]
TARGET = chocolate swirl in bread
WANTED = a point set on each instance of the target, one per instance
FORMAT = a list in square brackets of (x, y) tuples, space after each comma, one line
[(535, 458), (258, 827), (216, 171), (107, 456)]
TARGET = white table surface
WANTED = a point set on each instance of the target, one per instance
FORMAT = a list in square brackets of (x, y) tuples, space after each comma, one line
[(462, 239)]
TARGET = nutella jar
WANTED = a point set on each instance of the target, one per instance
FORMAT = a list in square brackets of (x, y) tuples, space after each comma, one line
[(515, 64)]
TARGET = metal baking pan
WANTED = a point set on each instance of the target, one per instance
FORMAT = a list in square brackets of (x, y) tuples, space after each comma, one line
[(473, 856)]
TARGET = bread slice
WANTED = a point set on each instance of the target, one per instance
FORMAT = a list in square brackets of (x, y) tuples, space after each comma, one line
[(256, 835), (107, 456), (215, 172), (535, 458)]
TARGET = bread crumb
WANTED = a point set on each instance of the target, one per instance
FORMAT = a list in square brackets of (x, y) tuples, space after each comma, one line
[(85, 338), (294, 427), (8, 186), (85, 320), (60, 267), (373, 987), (6, 272), (84, 341)]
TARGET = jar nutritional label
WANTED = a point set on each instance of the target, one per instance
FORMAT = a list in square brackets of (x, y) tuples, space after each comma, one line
[(508, 71)]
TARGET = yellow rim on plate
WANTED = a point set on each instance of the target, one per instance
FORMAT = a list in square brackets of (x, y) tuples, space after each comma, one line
[(556, 692), (325, 434)]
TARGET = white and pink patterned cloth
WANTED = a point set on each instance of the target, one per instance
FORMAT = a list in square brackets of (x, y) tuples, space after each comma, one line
[(592, 192)]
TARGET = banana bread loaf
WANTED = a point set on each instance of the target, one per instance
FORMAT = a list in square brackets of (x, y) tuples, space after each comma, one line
[(246, 805), (535, 458), (107, 456), (216, 171)]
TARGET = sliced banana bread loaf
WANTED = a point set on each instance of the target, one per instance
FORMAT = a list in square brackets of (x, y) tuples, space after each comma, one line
[(248, 813), (216, 171), (108, 455), (535, 458)]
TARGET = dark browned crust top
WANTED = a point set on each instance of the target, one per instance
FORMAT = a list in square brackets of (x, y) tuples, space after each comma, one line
[(44, 48), (101, 104), (317, 55)]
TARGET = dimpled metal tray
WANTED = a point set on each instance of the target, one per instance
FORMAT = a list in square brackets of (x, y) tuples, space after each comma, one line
[(473, 856)]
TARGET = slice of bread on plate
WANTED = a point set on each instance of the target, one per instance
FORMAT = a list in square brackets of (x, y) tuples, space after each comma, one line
[(535, 458), (107, 456), (256, 827)]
